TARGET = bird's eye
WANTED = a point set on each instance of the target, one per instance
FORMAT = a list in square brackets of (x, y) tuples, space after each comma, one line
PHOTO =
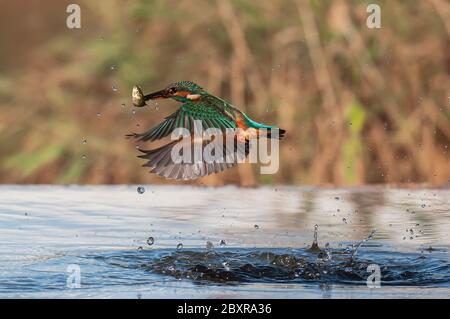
[(172, 90)]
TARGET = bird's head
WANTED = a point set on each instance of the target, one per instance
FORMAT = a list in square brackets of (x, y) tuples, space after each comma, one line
[(182, 91)]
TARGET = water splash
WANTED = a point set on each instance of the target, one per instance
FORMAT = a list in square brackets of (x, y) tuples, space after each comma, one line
[(315, 246), (358, 245), (285, 266), (325, 254), (226, 266), (209, 246)]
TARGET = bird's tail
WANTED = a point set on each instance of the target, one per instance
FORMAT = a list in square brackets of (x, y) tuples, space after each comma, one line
[(274, 132), (270, 131)]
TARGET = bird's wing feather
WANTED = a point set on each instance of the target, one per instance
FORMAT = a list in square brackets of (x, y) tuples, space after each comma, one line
[(208, 112), (160, 160)]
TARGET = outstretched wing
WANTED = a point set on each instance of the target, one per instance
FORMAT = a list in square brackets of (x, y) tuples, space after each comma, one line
[(210, 115), (161, 160)]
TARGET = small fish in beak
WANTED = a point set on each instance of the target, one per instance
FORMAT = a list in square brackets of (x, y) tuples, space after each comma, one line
[(138, 97)]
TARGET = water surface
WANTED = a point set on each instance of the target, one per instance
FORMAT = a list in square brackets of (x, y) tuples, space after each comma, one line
[(232, 242)]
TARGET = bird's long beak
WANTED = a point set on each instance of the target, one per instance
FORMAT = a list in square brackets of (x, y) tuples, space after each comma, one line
[(156, 95), (139, 98)]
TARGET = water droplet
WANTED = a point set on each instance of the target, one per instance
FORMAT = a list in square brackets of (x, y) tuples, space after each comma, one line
[(83, 141), (114, 88), (140, 248), (133, 111), (223, 243), (123, 105), (99, 114), (83, 156), (179, 246), (150, 241), (344, 220), (256, 226), (113, 67), (141, 190)]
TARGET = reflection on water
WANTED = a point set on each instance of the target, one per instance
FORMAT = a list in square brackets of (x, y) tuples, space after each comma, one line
[(223, 242)]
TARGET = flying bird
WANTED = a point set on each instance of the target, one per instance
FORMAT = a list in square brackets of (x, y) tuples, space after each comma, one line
[(200, 110)]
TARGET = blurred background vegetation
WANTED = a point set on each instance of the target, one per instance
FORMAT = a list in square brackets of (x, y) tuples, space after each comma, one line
[(360, 105)]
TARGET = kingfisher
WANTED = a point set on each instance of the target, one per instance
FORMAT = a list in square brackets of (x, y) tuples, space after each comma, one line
[(199, 111)]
